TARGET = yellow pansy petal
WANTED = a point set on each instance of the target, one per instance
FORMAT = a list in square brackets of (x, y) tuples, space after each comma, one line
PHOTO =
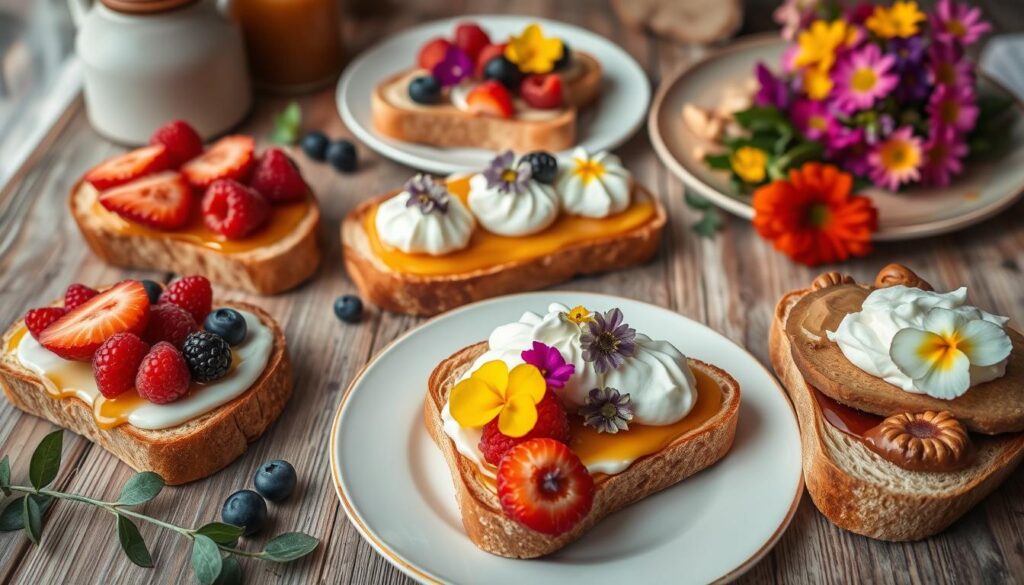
[(526, 380), (915, 352), (817, 83), (495, 375), (519, 415), (474, 404), (950, 380), (984, 343)]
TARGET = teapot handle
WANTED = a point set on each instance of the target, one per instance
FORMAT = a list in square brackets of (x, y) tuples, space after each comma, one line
[(79, 9)]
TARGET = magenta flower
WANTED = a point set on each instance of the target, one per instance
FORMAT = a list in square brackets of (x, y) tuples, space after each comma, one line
[(455, 67), (947, 65), (862, 78), (953, 106), (550, 363), (896, 160), (943, 157), (959, 23), (842, 139), (813, 119), (773, 91)]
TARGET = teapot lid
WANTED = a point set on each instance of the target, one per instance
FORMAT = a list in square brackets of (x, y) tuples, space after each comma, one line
[(144, 6)]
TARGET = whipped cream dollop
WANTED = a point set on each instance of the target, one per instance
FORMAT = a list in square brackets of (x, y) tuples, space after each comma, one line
[(866, 337), (526, 208), (424, 219), (593, 186)]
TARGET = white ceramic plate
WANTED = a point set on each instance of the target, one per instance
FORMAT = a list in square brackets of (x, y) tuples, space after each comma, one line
[(983, 191), (617, 114), (396, 489)]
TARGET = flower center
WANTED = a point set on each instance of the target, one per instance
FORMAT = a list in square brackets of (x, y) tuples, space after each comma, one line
[(588, 170), (863, 79), (818, 123), (817, 215), (898, 156), (609, 410), (607, 343), (945, 73), (943, 351), (950, 111), (956, 28), (509, 175)]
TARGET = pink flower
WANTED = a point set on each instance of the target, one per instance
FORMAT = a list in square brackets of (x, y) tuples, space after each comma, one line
[(550, 363), (897, 160), (958, 23), (953, 106), (862, 78), (947, 65), (794, 15), (813, 119), (943, 155)]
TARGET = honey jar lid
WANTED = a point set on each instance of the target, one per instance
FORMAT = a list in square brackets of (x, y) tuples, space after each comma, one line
[(144, 6)]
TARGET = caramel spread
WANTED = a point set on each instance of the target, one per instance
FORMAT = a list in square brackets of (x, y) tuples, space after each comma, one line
[(928, 441), (828, 310)]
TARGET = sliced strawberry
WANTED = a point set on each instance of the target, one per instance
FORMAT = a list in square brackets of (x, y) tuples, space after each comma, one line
[(543, 485), (228, 158), (182, 141), (471, 39), (486, 54), (129, 166), (543, 91), (432, 53), (490, 98), (162, 201), (78, 334)]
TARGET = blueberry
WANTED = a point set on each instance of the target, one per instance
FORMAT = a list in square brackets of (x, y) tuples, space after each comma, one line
[(348, 308), (153, 290), (228, 323), (425, 90), (566, 58), (342, 155), (314, 144), (505, 72), (245, 509), (543, 165), (275, 480)]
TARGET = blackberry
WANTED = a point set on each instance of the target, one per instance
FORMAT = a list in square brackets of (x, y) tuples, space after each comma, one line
[(208, 356), (543, 165)]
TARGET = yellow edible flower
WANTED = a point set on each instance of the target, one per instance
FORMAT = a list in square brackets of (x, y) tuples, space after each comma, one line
[(532, 52), (819, 42), (817, 83), (899, 20), (587, 169), (749, 163), (493, 391), (579, 315)]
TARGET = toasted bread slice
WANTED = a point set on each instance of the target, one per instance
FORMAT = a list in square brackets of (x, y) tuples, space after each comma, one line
[(267, 269), (187, 452), (862, 492), (397, 117), (416, 294), (491, 530)]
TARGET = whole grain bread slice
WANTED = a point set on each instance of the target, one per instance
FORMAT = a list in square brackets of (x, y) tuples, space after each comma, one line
[(180, 454), (266, 270), (860, 491), (491, 530)]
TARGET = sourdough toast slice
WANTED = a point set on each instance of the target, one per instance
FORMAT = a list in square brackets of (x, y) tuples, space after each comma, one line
[(428, 295), (864, 493), (180, 454), (446, 125), (491, 530), (269, 269)]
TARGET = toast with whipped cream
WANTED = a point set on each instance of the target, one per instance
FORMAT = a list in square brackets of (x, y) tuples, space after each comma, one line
[(521, 224), (562, 418), (910, 401)]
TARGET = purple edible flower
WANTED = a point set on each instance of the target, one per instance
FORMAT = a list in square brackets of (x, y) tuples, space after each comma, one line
[(607, 410), (909, 52), (427, 193), (608, 341), (947, 65), (773, 91), (953, 106), (813, 119), (959, 23), (506, 176), (550, 363), (455, 67)]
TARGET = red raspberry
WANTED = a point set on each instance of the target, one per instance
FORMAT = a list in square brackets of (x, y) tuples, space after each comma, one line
[(181, 140), (116, 362), (192, 293), (234, 210), (78, 294), (163, 375), (38, 319), (552, 423), (277, 178), (471, 38), (169, 323)]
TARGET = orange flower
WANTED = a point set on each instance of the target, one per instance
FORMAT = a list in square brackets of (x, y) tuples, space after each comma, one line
[(813, 218)]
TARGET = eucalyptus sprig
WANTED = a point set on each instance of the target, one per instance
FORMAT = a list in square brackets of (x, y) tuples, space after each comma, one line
[(213, 544)]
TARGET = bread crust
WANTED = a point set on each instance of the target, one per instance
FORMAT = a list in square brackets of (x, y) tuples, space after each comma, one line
[(491, 530), (447, 126), (181, 454), (861, 492), (429, 295), (266, 270)]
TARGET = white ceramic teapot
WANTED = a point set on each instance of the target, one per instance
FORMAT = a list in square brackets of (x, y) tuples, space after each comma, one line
[(146, 62)]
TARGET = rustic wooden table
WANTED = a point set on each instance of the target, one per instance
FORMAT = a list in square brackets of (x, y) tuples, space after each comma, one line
[(730, 282)]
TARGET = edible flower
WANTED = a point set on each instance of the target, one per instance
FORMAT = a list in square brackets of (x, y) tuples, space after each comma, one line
[(819, 44), (953, 107), (453, 68), (939, 357), (532, 52), (947, 65), (506, 176), (750, 164), (813, 119), (817, 83), (862, 78), (813, 217), (943, 156), (960, 23), (772, 91), (493, 391), (899, 20), (587, 168), (608, 341), (427, 193), (607, 411), (579, 315), (550, 363), (896, 160)]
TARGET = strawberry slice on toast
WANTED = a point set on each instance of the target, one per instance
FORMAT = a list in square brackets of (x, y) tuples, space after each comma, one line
[(229, 158), (129, 166), (79, 333), (162, 201)]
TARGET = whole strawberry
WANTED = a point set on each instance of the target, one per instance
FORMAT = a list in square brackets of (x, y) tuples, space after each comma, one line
[(234, 210), (181, 140), (116, 362), (77, 294), (170, 323), (163, 375), (277, 178), (192, 293), (38, 319)]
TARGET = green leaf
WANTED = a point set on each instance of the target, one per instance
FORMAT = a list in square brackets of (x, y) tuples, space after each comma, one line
[(46, 460), (718, 161), (13, 517), (287, 125), (5, 475), (695, 201), (230, 572), (32, 518), (289, 546), (132, 543), (221, 533), (206, 560), (140, 488), (709, 223)]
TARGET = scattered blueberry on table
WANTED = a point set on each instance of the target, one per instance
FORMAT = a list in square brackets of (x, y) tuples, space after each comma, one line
[(314, 144), (348, 308), (275, 480), (245, 509), (342, 155)]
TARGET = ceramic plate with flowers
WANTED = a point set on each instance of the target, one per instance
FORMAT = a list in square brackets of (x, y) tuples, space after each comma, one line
[(905, 138)]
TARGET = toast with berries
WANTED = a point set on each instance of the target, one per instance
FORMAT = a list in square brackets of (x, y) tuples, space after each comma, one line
[(492, 530)]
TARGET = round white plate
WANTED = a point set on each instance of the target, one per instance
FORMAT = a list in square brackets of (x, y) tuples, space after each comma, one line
[(617, 114), (980, 193), (397, 491)]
